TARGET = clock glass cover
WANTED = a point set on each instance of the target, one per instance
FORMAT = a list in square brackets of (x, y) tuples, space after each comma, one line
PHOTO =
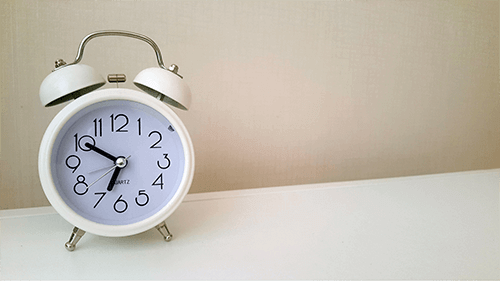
[(82, 163)]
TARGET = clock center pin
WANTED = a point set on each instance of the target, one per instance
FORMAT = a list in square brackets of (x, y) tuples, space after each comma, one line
[(121, 162)]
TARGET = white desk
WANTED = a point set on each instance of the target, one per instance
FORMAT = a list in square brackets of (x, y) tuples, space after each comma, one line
[(443, 226)]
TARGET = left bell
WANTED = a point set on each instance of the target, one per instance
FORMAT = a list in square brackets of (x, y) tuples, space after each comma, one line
[(69, 82)]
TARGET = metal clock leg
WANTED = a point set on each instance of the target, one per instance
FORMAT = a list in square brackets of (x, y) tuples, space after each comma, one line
[(162, 228), (74, 238)]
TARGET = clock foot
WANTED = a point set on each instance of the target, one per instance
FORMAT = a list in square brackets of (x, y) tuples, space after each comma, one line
[(162, 228), (74, 238)]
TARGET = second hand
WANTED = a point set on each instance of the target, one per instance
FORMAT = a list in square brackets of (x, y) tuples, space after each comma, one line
[(107, 172)]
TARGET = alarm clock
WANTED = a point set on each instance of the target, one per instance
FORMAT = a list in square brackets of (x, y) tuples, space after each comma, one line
[(115, 162)]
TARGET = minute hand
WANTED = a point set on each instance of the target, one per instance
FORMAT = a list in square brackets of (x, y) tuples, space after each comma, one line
[(113, 178), (100, 151)]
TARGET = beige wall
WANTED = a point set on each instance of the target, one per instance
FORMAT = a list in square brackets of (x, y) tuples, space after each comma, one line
[(285, 92)]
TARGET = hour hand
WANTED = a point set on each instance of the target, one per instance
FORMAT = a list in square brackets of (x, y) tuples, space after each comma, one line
[(100, 151)]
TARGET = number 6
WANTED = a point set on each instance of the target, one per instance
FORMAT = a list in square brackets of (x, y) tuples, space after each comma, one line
[(123, 201)]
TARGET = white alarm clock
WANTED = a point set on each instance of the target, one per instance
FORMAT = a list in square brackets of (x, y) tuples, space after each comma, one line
[(115, 162)]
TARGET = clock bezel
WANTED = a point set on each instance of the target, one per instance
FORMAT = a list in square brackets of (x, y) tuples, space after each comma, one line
[(47, 148)]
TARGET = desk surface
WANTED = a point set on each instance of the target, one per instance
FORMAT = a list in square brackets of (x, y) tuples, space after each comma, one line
[(442, 226)]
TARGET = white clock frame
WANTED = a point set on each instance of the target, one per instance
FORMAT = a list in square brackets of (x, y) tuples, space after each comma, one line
[(47, 146)]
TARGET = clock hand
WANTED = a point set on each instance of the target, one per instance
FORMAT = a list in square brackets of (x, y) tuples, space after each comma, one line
[(101, 169), (100, 151), (107, 172), (113, 178), (121, 163)]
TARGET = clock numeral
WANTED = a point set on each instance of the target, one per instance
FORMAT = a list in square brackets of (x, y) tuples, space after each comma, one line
[(165, 156), (69, 162), (139, 126), (100, 198), (142, 193), (115, 118), (155, 145), (79, 142), (80, 181), (97, 127), (120, 205), (159, 181)]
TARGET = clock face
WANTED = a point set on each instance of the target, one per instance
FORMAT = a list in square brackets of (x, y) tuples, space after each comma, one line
[(117, 162)]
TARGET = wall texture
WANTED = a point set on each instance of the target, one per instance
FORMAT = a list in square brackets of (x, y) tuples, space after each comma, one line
[(284, 92)]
